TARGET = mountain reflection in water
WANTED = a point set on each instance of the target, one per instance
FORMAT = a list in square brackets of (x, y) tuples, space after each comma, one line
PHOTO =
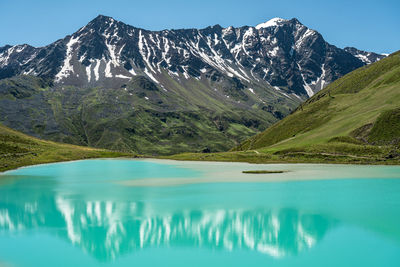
[(107, 229), (100, 220)]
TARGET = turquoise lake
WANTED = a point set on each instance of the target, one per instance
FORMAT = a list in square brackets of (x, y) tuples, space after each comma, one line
[(170, 213)]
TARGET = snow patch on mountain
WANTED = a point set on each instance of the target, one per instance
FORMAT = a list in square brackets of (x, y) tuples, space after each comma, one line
[(304, 37), (271, 23), (132, 71), (274, 51), (363, 58), (67, 68), (88, 72), (107, 71), (5, 56), (148, 73), (122, 76), (96, 69), (307, 87)]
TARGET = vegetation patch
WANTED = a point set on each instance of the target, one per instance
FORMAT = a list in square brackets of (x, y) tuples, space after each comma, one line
[(386, 129), (141, 116), (345, 139), (17, 149), (262, 172)]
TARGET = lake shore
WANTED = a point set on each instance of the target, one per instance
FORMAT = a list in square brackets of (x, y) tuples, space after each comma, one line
[(223, 157), (253, 156), (232, 172)]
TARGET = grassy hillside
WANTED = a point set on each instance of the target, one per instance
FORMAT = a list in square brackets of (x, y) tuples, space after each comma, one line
[(356, 119), (141, 116), (17, 149)]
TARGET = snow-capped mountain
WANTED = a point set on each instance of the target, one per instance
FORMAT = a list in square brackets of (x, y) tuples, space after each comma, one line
[(114, 86), (366, 57), (281, 54)]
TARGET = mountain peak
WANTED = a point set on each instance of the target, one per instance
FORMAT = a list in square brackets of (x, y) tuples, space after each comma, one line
[(101, 23), (295, 21), (102, 18), (270, 23)]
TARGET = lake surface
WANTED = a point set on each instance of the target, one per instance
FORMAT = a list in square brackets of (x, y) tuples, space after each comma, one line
[(170, 213)]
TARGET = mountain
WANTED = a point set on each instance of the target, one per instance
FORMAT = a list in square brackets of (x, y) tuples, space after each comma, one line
[(160, 92), (355, 119), (18, 149), (282, 53), (366, 57)]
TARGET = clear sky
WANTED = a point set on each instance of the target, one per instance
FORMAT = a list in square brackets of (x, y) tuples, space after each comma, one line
[(367, 25)]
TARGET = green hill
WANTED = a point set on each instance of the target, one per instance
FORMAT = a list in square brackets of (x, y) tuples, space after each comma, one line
[(140, 116), (355, 119), (17, 149)]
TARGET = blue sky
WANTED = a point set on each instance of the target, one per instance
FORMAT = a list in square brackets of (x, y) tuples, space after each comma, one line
[(367, 25)]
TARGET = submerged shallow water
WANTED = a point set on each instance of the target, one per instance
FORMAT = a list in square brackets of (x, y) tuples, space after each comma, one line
[(154, 213)]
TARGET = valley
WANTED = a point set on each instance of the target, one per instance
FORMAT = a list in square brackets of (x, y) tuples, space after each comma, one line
[(353, 120)]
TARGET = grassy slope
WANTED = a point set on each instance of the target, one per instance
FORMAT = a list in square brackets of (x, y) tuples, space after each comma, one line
[(191, 115), (17, 149), (356, 119)]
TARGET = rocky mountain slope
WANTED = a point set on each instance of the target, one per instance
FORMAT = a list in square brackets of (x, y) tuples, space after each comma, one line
[(116, 86), (282, 53), (363, 105), (355, 119)]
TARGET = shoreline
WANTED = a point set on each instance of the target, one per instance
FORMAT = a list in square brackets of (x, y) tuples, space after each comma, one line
[(166, 182), (214, 172), (211, 161), (59, 161), (256, 161)]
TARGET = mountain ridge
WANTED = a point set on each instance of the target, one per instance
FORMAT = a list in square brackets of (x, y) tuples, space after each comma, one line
[(114, 86), (199, 50)]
